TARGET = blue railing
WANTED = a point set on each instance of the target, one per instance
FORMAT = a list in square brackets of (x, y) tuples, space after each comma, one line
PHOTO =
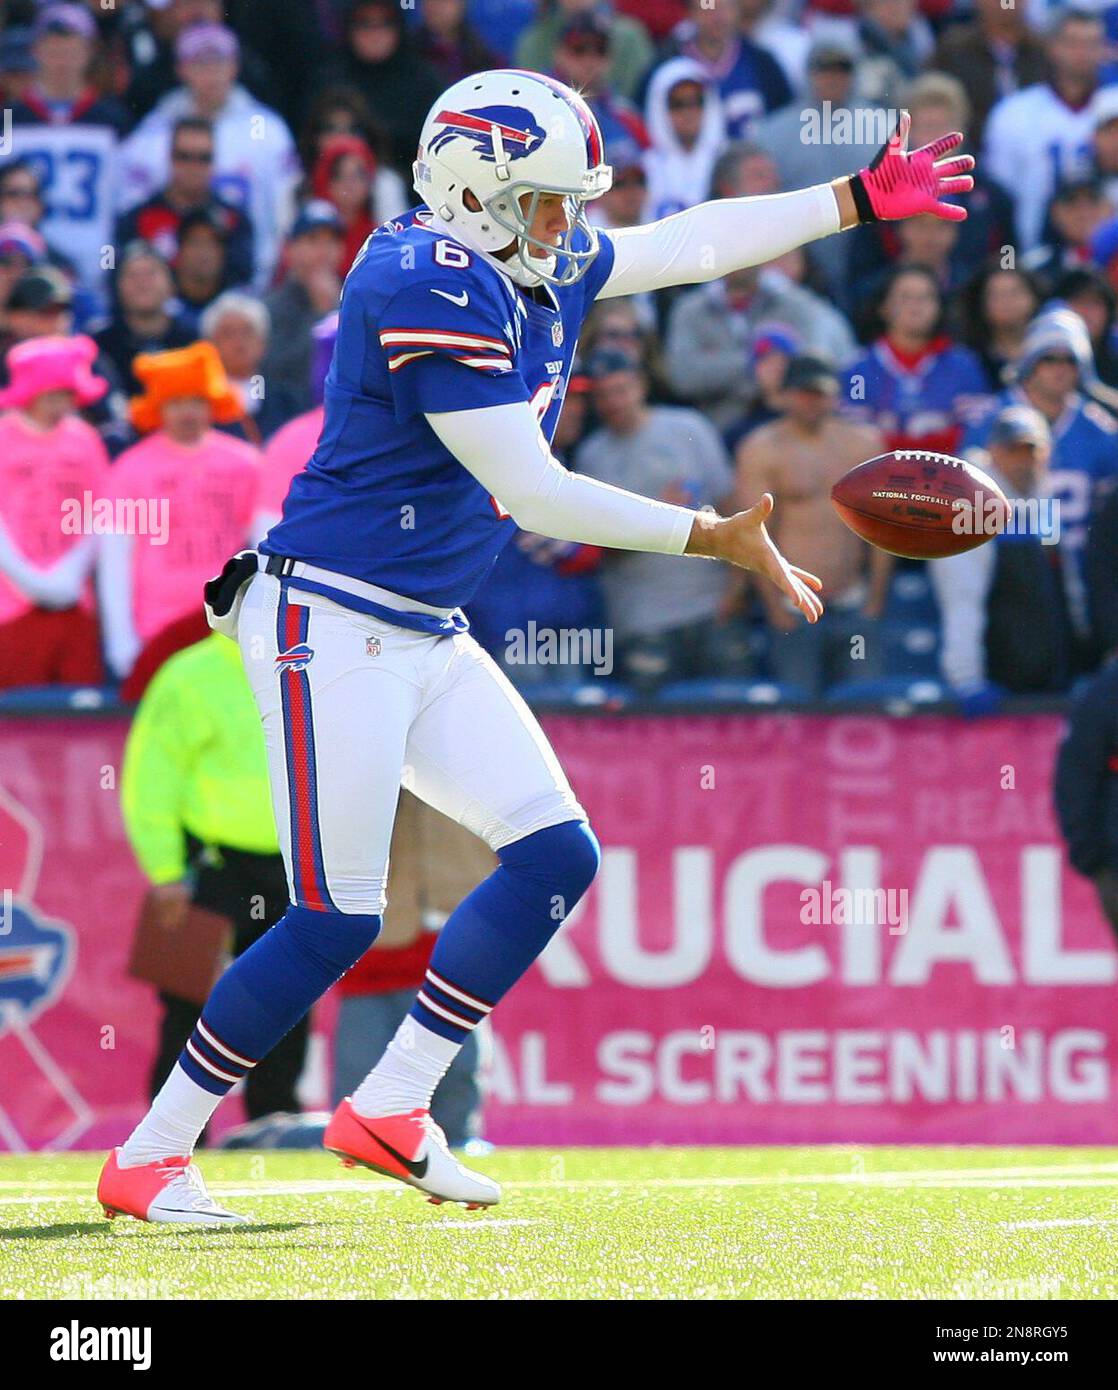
[(896, 696)]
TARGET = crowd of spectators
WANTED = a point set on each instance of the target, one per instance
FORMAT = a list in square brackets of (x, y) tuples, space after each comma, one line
[(184, 184)]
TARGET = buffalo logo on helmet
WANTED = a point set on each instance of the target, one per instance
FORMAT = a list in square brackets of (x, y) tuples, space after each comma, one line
[(519, 132), (35, 957)]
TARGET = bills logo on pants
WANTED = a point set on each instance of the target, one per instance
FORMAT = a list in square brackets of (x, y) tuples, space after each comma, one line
[(295, 658), (308, 869)]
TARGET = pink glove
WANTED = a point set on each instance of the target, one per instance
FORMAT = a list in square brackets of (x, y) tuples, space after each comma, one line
[(898, 184)]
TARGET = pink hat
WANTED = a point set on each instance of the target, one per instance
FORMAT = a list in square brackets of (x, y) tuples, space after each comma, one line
[(52, 364)]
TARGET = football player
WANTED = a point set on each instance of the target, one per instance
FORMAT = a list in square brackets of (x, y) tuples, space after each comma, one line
[(456, 331)]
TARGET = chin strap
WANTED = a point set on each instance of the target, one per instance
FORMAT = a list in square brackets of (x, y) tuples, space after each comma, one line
[(515, 268), (500, 158)]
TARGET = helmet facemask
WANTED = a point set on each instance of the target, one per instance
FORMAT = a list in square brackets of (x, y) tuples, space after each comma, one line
[(506, 210)]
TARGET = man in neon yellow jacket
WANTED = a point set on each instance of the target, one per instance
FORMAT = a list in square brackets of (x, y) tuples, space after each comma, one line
[(194, 792)]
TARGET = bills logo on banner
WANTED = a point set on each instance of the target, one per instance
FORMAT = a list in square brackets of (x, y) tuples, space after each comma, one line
[(35, 959), (519, 133)]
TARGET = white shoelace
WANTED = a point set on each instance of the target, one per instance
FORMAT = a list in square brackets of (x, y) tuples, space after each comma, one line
[(437, 1136), (189, 1185)]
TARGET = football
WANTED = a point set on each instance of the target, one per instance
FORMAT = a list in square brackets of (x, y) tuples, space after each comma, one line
[(919, 505)]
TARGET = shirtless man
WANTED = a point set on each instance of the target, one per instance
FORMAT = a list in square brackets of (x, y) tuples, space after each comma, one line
[(798, 458)]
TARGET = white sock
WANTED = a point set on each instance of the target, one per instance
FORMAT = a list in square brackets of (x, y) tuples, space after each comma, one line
[(178, 1115), (404, 1079)]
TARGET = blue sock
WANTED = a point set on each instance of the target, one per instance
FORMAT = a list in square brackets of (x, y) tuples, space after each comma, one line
[(494, 934), (266, 991)]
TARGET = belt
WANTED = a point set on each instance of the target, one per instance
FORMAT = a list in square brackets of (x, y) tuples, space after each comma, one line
[(363, 597)]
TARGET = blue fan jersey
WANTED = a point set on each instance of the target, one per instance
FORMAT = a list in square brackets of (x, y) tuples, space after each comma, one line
[(425, 325), (923, 406)]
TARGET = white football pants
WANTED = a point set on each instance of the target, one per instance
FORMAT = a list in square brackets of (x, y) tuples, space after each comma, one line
[(353, 708)]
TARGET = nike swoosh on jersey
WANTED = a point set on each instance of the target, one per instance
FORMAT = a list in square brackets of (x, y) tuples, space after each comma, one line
[(460, 299)]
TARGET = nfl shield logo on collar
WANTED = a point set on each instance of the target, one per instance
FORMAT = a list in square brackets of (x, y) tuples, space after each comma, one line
[(372, 646), (557, 333)]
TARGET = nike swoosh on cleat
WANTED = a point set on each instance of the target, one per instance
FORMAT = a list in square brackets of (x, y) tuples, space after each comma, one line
[(460, 299), (417, 1167)]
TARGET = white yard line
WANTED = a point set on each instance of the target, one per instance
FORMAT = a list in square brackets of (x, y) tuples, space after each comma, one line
[(55, 1186), (1032, 1176), (37, 1201)]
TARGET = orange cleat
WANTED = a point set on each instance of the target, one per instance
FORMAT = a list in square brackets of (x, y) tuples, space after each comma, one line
[(169, 1190), (411, 1148)]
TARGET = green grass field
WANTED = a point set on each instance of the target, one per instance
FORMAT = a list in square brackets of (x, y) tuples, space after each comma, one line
[(616, 1223)]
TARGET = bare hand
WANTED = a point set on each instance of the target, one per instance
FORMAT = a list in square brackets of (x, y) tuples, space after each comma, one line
[(742, 540)]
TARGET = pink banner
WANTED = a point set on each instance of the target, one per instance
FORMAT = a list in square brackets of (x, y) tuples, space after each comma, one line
[(76, 1035), (805, 928), (689, 1000)]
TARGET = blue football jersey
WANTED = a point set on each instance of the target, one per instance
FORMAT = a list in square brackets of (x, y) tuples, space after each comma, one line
[(424, 325)]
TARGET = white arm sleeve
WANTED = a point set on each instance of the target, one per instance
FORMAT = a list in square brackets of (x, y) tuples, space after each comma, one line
[(712, 239), (503, 447)]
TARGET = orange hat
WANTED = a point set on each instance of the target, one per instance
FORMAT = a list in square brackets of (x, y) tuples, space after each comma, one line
[(190, 371)]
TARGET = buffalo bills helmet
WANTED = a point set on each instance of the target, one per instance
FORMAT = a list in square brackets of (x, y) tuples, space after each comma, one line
[(501, 135)]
